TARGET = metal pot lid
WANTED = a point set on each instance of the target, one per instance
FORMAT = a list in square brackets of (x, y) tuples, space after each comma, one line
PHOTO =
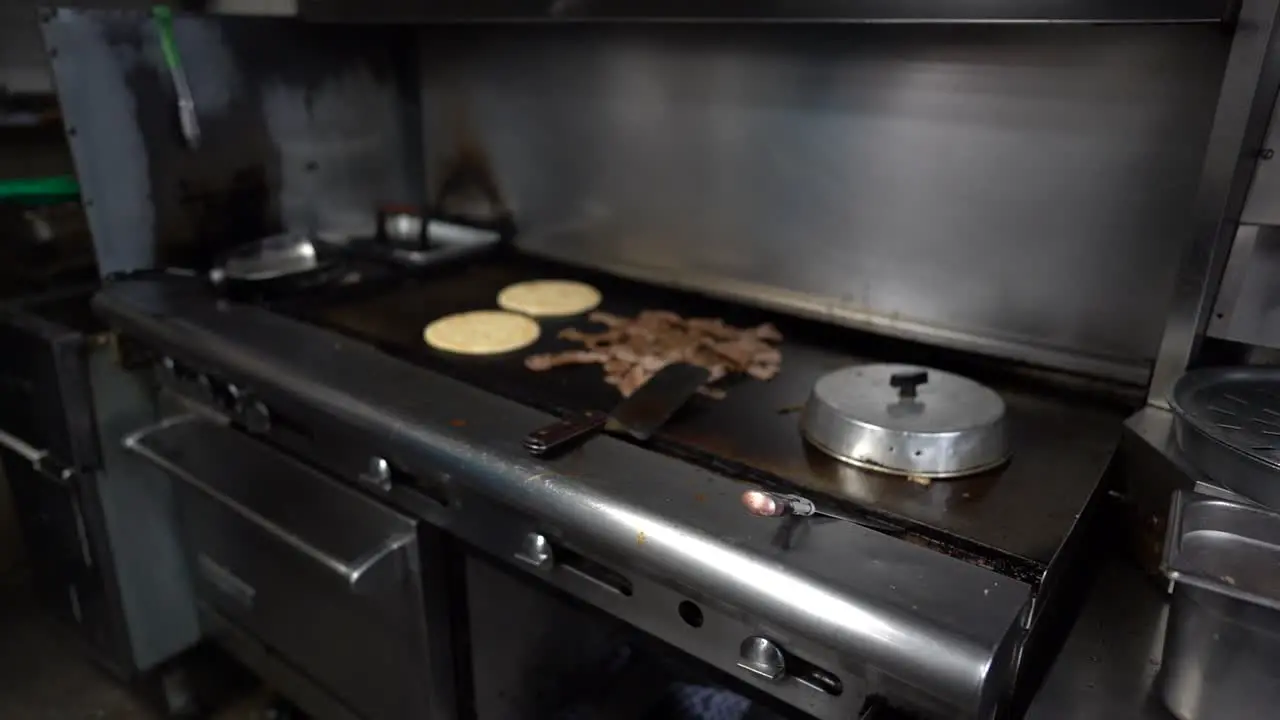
[(272, 257), (907, 420)]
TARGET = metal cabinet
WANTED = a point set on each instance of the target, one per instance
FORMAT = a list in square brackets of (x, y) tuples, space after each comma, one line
[(323, 576), (95, 530)]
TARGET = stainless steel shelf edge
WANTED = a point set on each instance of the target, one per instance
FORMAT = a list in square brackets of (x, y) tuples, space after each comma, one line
[(839, 11), (1176, 569)]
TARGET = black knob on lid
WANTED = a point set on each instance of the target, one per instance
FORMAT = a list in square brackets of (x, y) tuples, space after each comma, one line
[(907, 382)]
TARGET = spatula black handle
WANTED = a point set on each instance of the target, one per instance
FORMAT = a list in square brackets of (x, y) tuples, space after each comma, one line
[(564, 434)]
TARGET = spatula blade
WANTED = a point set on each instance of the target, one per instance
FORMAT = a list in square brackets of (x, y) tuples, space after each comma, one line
[(653, 403)]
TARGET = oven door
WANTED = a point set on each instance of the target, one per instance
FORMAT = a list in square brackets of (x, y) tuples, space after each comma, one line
[(324, 578)]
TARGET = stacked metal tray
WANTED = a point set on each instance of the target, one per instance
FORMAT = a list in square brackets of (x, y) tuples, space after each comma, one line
[(1221, 655), (1228, 425)]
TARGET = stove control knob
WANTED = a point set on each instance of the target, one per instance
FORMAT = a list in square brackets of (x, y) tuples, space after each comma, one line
[(256, 415), (204, 388), (763, 657), (235, 399), (535, 550), (378, 474), (762, 503)]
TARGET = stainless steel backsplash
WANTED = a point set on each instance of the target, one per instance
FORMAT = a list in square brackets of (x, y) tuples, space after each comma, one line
[(1021, 191), (304, 128)]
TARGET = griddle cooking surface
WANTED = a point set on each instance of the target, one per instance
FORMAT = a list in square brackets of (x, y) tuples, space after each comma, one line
[(1022, 511)]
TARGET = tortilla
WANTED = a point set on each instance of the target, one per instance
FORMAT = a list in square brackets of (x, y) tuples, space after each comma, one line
[(549, 298), (481, 332)]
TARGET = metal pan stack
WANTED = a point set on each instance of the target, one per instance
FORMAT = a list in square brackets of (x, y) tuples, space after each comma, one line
[(1222, 642)]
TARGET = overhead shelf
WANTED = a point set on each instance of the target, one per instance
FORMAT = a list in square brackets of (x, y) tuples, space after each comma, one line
[(815, 11)]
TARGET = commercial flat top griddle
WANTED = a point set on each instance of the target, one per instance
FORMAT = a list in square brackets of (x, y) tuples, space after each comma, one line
[(1012, 519)]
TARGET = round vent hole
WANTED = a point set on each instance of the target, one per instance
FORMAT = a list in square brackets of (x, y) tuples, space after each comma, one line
[(691, 614)]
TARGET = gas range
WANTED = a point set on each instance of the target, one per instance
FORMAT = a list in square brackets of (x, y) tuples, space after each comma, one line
[(951, 613), (1013, 519)]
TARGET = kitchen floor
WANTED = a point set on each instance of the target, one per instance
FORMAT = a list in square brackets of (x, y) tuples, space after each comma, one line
[(45, 674)]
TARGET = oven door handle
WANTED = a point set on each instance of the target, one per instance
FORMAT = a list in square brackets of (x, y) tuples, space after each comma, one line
[(22, 448), (352, 571), (40, 460)]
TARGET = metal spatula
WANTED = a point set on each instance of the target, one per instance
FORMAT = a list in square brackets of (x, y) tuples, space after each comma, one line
[(639, 416)]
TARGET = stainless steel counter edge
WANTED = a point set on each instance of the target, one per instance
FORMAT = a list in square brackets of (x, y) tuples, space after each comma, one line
[(1155, 427), (867, 596)]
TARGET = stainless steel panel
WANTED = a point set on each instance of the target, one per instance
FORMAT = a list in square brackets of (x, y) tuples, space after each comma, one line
[(23, 68), (1262, 206), (102, 539), (300, 689), (1248, 91), (1110, 663), (304, 128), (1150, 468), (139, 516), (528, 647), (844, 11), (1008, 190), (1247, 309), (1220, 658), (653, 606), (285, 8), (326, 577), (1222, 649)]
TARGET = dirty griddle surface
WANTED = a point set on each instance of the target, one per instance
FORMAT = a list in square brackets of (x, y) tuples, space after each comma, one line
[(1021, 512)]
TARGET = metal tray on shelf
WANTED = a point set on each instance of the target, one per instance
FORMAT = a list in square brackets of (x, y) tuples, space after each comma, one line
[(1222, 642), (1228, 425)]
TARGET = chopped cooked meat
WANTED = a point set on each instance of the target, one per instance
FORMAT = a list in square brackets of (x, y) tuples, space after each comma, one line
[(546, 361), (608, 319), (591, 340), (650, 317), (767, 356), (631, 350), (638, 375), (718, 372), (714, 327), (740, 352), (540, 362), (768, 332), (653, 363), (624, 353), (763, 371)]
